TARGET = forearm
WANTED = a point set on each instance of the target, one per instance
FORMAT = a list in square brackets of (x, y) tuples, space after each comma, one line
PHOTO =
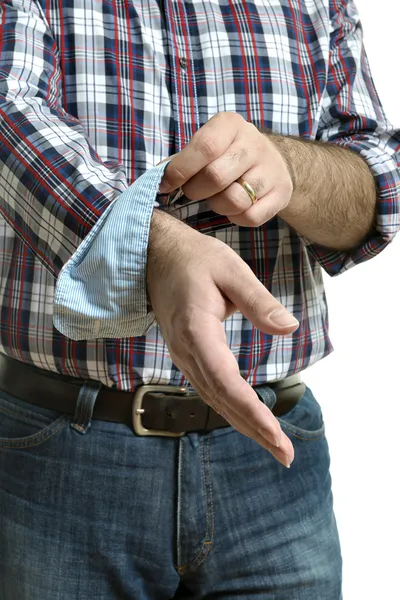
[(334, 196)]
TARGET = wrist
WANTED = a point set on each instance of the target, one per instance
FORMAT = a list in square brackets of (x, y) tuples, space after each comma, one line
[(297, 155), (162, 227), (287, 148), (166, 237)]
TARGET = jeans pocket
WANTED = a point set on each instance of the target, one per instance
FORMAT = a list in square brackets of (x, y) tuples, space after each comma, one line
[(305, 420), (23, 425)]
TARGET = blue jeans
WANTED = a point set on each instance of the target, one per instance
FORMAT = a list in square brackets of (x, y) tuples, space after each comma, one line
[(107, 515)]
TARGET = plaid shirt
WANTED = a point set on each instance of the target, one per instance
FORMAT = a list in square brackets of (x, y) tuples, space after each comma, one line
[(93, 94)]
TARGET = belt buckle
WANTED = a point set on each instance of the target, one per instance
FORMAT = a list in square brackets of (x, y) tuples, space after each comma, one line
[(137, 409)]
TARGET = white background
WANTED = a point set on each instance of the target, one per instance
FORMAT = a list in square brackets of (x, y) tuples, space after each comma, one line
[(358, 386)]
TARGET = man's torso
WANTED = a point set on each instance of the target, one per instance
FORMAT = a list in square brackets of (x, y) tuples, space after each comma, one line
[(141, 78)]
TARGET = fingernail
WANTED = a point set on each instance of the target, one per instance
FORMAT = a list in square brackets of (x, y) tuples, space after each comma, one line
[(278, 441), (288, 463), (282, 318)]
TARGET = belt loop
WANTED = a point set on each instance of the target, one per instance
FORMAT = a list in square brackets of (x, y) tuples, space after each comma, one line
[(84, 406), (267, 395)]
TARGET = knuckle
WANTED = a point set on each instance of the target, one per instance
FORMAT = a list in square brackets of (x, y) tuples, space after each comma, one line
[(250, 124), (236, 200), (255, 300), (258, 184), (253, 220), (239, 155), (215, 176), (236, 116), (181, 174), (229, 115), (207, 145), (229, 275)]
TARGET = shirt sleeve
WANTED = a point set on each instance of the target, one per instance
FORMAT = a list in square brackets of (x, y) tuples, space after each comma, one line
[(54, 188), (352, 117), (95, 289)]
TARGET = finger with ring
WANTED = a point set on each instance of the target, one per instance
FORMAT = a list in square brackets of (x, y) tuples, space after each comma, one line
[(248, 189)]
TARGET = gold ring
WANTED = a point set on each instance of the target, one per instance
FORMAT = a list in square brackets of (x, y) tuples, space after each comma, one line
[(247, 187)]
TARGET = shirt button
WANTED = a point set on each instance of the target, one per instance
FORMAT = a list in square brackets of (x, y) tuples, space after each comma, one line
[(183, 62)]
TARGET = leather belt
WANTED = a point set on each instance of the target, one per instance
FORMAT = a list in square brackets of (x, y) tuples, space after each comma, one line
[(151, 410)]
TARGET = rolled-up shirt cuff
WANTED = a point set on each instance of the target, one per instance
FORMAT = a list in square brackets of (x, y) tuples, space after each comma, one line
[(387, 222), (101, 290)]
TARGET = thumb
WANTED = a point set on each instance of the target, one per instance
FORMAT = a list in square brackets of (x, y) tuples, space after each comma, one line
[(256, 303)]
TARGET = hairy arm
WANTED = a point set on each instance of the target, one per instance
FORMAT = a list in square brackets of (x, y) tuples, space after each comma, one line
[(334, 193), (347, 184)]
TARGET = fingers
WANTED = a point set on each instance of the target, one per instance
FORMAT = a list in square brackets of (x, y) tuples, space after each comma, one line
[(170, 157), (218, 183), (220, 174), (219, 369), (283, 454), (224, 406), (254, 301), (207, 144), (224, 149), (210, 366), (262, 211), (234, 200)]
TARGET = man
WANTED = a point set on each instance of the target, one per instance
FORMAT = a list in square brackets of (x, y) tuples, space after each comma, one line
[(185, 296)]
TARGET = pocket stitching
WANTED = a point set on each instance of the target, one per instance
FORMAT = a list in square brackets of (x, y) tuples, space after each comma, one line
[(16, 415), (303, 434), (37, 438)]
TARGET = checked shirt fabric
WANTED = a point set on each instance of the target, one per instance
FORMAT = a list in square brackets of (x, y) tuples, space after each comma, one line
[(94, 94)]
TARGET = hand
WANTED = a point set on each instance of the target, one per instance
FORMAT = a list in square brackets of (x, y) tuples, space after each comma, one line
[(194, 283), (224, 149)]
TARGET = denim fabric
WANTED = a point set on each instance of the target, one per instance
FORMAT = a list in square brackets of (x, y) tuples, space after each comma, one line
[(97, 513)]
